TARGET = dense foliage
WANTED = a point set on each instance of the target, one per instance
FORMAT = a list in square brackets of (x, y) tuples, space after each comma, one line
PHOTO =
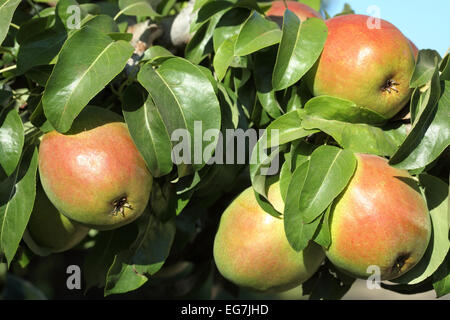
[(238, 70)]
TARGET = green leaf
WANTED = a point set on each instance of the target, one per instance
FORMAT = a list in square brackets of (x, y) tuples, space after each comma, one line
[(281, 131), (165, 7), (31, 28), (323, 237), (315, 4), (40, 74), (441, 278), (91, 8), (285, 178), (5, 97), (87, 62), (300, 47), (200, 3), (168, 85), (224, 57), (263, 166), (263, 69), (209, 10), (121, 36), (249, 4), (139, 8), (11, 139), (148, 131), (131, 268), (430, 133), (103, 23), (332, 108), (156, 54), (425, 68), (285, 129), (330, 170), (164, 200), (370, 139), (445, 68), (256, 33), (298, 232), (436, 195), (200, 44), (66, 15), (7, 8), (229, 25), (17, 195), (300, 152), (40, 42)]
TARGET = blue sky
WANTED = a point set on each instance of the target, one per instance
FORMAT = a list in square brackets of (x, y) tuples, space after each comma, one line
[(426, 23)]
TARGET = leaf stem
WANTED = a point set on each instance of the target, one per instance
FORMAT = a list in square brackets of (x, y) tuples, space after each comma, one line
[(8, 68), (119, 14), (15, 26)]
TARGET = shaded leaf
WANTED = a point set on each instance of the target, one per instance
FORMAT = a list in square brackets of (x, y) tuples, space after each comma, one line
[(330, 170), (328, 283), (263, 69), (147, 130), (298, 232), (131, 268), (229, 25), (17, 194), (430, 133), (39, 46), (441, 278), (11, 139), (256, 33), (323, 237), (200, 44), (16, 288), (100, 257)]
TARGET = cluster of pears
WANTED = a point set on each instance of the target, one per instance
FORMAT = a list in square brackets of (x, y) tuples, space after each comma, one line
[(381, 218), (92, 176)]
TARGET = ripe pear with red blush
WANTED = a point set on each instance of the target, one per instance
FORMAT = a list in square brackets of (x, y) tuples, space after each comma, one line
[(368, 62), (414, 49), (380, 220), (252, 251), (94, 174), (303, 12)]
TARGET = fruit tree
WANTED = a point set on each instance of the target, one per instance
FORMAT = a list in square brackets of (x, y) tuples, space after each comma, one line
[(219, 149)]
